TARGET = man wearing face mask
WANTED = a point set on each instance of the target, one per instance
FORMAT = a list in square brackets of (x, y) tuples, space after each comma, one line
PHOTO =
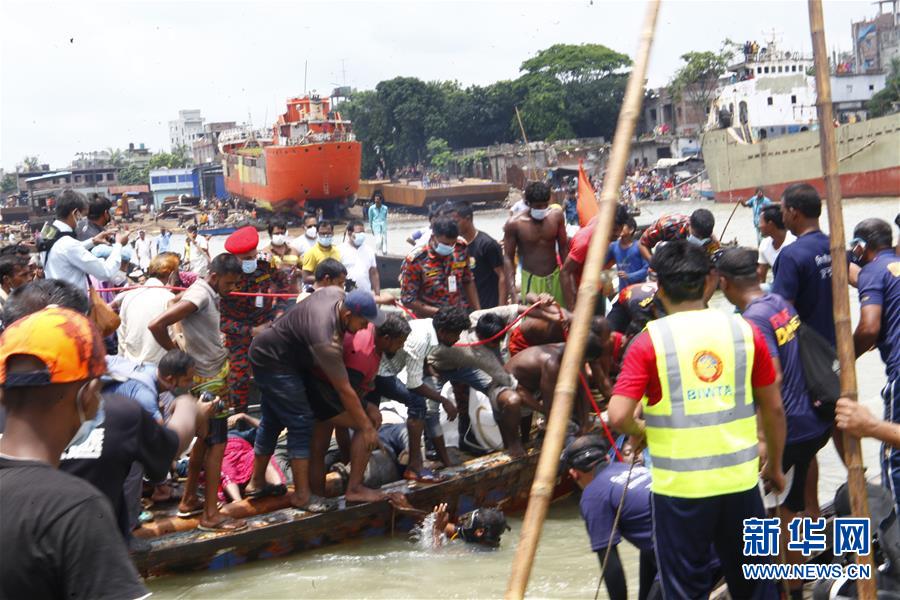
[(71, 260), (879, 320), (359, 259), (322, 249), (539, 236), (310, 231), (438, 273), (98, 218), (66, 544), (245, 316), (278, 247), (697, 229)]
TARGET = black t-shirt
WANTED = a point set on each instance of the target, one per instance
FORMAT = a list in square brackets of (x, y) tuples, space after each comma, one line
[(58, 538), (127, 435), (485, 255)]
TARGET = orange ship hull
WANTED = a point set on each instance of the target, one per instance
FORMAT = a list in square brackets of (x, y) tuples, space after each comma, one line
[(285, 178)]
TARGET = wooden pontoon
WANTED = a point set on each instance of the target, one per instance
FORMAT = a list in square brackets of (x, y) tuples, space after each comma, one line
[(412, 194)]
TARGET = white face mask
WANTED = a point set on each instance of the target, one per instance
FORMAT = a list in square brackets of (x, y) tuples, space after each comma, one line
[(279, 239), (87, 425), (539, 213), (311, 232), (359, 239)]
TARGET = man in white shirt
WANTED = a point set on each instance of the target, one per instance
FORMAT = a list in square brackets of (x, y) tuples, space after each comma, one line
[(70, 260), (360, 259), (138, 308), (306, 241), (143, 248), (771, 225), (196, 251)]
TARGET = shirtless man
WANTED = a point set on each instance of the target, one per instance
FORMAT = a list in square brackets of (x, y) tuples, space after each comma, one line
[(537, 369), (540, 235)]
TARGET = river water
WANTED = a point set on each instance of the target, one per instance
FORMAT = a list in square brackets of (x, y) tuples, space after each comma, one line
[(565, 567)]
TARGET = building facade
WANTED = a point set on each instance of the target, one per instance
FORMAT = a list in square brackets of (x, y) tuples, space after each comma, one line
[(172, 182), (186, 129), (206, 149)]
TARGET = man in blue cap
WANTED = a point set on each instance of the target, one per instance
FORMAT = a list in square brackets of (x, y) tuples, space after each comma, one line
[(289, 359)]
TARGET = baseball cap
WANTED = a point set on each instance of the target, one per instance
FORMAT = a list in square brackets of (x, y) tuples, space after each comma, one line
[(586, 452), (362, 304), (64, 340)]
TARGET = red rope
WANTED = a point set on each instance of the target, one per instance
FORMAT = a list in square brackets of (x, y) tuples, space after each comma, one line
[(596, 407), (181, 289), (500, 333)]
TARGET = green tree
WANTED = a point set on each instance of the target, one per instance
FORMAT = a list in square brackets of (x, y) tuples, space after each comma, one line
[(116, 158), (166, 160), (439, 154), (30, 164), (696, 81), (576, 63), (8, 183), (134, 175), (886, 101)]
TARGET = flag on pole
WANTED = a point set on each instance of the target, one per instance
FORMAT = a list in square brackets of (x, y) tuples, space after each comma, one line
[(587, 202)]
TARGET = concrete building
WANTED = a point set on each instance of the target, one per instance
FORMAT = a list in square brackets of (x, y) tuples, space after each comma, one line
[(206, 149), (172, 182), (876, 42), (851, 92), (187, 128), (139, 155)]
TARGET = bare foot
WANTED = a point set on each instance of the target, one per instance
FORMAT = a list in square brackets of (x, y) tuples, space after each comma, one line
[(364, 494), (515, 451), (299, 500), (223, 523), (188, 507)]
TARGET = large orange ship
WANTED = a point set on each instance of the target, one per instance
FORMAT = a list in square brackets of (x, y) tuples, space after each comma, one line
[(309, 156)]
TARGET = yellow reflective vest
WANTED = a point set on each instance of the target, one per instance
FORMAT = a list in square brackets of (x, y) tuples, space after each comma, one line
[(702, 432)]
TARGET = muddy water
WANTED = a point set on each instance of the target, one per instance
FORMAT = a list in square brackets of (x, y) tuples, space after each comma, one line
[(565, 567)]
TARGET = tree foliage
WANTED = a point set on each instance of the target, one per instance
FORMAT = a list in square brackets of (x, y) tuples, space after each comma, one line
[(166, 160), (564, 91), (697, 79), (134, 175), (8, 183), (30, 164), (885, 101)]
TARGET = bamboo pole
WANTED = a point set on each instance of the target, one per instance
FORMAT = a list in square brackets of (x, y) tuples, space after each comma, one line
[(859, 502), (534, 173), (564, 394)]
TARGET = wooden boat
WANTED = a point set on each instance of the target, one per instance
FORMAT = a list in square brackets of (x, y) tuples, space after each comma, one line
[(413, 194), (276, 529)]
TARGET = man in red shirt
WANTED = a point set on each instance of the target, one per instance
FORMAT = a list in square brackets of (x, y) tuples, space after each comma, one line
[(702, 373), (570, 274)]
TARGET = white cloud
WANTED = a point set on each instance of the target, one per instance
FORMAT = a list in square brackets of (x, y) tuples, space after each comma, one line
[(78, 76)]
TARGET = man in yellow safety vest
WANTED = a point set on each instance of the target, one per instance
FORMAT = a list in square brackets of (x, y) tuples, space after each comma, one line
[(701, 374)]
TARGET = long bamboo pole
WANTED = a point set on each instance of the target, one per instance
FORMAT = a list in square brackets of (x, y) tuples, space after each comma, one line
[(564, 394), (859, 502), (534, 173)]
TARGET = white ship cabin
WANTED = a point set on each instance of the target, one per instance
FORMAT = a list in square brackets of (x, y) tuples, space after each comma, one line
[(766, 94)]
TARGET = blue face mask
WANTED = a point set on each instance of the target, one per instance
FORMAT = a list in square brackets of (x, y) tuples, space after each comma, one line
[(87, 425), (359, 239), (248, 266), (443, 249), (325, 240), (695, 240)]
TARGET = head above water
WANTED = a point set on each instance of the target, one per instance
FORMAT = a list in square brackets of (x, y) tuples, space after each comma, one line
[(683, 273), (484, 526)]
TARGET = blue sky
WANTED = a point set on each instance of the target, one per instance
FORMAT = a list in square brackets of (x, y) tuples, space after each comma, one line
[(81, 76)]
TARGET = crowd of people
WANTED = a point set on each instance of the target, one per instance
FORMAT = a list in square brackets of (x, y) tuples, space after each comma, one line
[(121, 356)]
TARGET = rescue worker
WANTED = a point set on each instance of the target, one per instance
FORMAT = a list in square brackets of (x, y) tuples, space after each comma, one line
[(702, 373), (245, 316)]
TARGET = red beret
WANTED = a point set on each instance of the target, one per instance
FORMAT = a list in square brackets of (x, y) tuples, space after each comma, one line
[(243, 240)]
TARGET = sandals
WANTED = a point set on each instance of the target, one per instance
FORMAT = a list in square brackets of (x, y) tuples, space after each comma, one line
[(424, 475), (225, 526), (270, 489), (191, 512)]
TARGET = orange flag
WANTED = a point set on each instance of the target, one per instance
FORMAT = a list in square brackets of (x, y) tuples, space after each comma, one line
[(587, 202)]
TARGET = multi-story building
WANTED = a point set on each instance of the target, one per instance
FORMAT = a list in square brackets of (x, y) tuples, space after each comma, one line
[(850, 92), (187, 128), (876, 42), (206, 149), (139, 156)]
